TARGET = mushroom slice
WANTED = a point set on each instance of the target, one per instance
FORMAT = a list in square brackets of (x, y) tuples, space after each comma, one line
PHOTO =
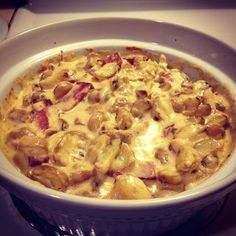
[(95, 121), (104, 72), (62, 89)]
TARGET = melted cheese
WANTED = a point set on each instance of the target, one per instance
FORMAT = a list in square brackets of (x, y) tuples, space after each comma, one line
[(155, 145)]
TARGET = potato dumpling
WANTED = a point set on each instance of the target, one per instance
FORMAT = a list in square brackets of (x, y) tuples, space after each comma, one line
[(81, 171), (170, 176), (124, 158), (50, 177), (71, 146), (130, 187)]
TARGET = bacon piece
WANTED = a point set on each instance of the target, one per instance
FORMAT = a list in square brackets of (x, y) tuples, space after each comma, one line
[(74, 96), (42, 118), (82, 91), (113, 58)]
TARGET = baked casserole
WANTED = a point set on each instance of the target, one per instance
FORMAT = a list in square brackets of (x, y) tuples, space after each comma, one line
[(118, 125)]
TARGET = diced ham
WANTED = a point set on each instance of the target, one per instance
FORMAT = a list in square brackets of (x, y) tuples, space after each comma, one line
[(41, 118)]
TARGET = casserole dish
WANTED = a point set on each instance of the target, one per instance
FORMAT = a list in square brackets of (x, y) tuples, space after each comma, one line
[(115, 217)]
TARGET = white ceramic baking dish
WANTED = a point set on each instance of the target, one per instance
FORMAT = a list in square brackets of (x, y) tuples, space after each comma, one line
[(86, 216)]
